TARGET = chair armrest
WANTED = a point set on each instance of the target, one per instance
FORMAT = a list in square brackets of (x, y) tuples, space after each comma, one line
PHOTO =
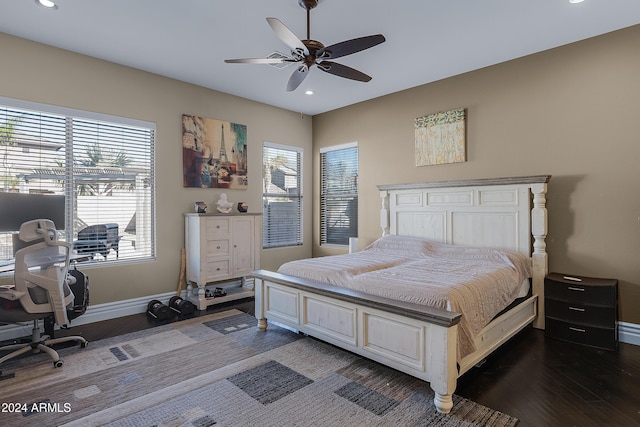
[(9, 292)]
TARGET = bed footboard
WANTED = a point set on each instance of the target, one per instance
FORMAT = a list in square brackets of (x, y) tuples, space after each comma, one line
[(420, 341)]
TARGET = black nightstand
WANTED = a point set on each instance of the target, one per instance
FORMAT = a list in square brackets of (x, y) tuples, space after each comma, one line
[(582, 309)]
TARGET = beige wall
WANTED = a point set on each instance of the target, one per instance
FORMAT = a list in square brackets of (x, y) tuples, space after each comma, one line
[(38, 73), (570, 112)]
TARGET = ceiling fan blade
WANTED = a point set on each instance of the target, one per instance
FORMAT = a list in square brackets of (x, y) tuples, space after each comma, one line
[(349, 46), (259, 60), (288, 37), (343, 71), (297, 77)]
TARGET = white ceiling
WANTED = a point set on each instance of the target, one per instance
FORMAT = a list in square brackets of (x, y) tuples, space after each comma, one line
[(427, 40)]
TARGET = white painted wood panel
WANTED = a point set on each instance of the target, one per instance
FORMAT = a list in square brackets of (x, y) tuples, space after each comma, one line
[(439, 198), (330, 318), (502, 197), (394, 338), (282, 304), (243, 245), (494, 229), (430, 225), (409, 199)]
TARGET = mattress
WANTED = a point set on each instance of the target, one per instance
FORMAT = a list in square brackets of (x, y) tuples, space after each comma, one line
[(476, 282)]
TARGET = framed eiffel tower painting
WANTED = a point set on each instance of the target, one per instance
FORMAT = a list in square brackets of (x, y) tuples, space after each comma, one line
[(214, 153)]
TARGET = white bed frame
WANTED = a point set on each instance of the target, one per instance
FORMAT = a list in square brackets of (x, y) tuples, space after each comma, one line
[(421, 341)]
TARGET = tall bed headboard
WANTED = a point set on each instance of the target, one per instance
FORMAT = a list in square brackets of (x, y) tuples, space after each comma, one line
[(508, 213)]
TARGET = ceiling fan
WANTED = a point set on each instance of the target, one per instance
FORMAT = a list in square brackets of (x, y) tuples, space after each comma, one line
[(311, 52)]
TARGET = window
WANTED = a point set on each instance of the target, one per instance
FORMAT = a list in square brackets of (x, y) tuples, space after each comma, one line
[(101, 167), (282, 195), (338, 194)]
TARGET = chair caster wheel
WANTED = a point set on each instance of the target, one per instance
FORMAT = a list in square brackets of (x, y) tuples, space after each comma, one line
[(58, 363), (84, 344)]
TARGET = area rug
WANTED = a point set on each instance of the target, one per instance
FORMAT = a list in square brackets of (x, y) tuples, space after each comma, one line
[(220, 370)]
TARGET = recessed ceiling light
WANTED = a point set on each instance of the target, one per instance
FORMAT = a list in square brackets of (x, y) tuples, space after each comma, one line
[(576, 1), (47, 3), (308, 92)]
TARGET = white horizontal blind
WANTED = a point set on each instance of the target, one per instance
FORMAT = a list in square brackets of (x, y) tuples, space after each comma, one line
[(282, 195), (103, 167), (338, 194)]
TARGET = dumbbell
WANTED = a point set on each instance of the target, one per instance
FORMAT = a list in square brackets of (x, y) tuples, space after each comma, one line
[(181, 306), (158, 310)]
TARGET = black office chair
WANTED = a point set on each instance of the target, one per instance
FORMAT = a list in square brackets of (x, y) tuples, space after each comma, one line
[(41, 289)]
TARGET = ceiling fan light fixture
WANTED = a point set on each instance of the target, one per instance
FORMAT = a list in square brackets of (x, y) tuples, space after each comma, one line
[(47, 3), (278, 55)]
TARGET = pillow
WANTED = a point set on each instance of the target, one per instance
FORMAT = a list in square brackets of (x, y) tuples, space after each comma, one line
[(401, 243)]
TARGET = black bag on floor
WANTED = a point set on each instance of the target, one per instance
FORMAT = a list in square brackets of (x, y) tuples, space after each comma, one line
[(80, 290)]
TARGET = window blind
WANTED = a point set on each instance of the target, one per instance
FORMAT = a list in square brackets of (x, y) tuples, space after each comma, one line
[(338, 194), (102, 165), (282, 195)]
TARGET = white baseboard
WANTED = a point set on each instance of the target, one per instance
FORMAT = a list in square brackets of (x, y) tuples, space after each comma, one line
[(111, 310), (629, 333), (94, 313)]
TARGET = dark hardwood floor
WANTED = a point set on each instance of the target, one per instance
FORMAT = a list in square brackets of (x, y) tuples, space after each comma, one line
[(547, 382), (541, 381)]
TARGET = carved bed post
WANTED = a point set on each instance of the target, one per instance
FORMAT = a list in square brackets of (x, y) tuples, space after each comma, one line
[(442, 341), (539, 233), (384, 212)]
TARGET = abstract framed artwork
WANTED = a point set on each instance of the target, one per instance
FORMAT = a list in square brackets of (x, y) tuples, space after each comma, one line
[(214, 153), (441, 138)]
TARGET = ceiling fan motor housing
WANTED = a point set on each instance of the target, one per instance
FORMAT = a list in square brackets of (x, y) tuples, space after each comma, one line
[(313, 46), (308, 4)]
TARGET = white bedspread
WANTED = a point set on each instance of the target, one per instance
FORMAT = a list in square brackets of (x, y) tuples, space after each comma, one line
[(476, 282)]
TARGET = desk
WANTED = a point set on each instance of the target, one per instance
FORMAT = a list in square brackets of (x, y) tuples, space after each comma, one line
[(73, 259)]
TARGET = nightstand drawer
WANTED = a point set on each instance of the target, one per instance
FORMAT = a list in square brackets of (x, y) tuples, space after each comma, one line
[(584, 290), (582, 334), (581, 313)]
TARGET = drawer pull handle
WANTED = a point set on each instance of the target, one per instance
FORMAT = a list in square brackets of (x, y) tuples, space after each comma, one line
[(577, 329), (574, 279), (573, 288), (576, 309)]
